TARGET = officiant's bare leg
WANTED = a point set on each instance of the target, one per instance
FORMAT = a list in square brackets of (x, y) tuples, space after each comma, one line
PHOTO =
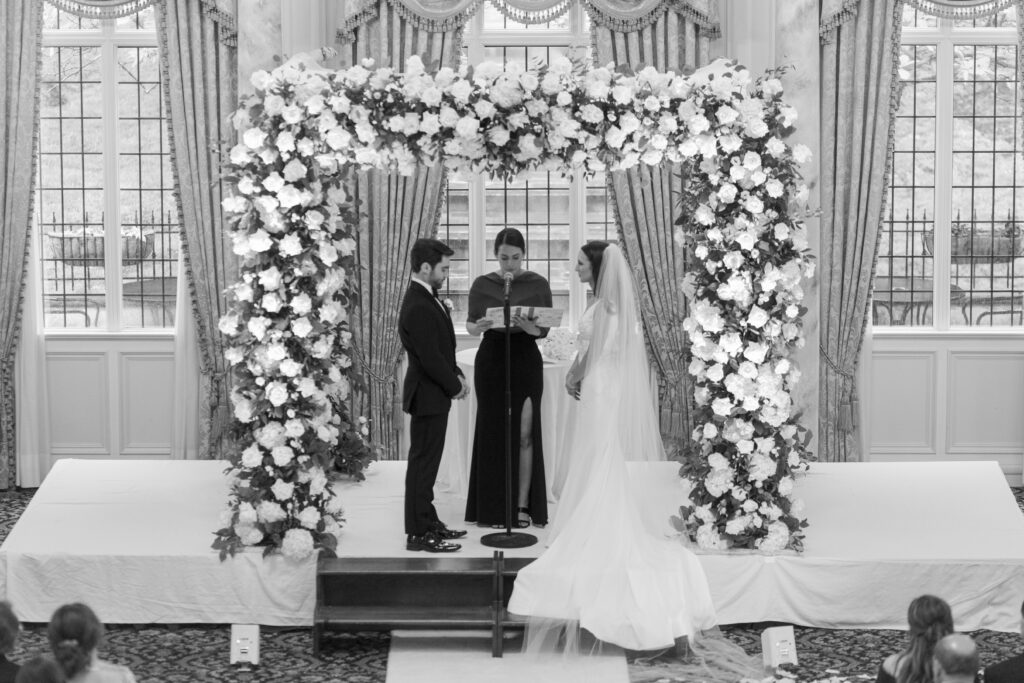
[(525, 459)]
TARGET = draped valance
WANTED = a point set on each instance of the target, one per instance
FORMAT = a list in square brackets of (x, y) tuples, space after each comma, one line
[(835, 13), (223, 12), (615, 15)]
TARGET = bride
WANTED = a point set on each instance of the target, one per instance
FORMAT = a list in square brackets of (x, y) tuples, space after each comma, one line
[(609, 566)]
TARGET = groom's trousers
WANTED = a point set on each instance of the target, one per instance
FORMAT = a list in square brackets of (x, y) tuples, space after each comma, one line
[(426, 444)]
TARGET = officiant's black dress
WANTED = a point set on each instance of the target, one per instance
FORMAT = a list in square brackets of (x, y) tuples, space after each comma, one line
[(485, 502)]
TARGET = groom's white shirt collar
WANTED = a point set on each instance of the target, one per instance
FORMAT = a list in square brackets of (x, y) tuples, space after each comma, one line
[(424, 284)]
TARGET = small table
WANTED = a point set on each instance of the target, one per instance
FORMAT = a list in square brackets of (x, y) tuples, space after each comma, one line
[(161, 291), (558, 412), (912, 297)]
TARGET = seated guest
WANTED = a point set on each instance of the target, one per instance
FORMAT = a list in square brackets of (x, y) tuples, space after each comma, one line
[(929, 619), (1010, 670), (40, 669), (9, 630), (956, 659), (75, 633)]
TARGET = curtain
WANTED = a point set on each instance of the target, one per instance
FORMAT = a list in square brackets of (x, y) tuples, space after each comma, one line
[(647, 200), (198, 47), (185, 426), (31, 386), (859, 98), (395, 211), (20, 27)]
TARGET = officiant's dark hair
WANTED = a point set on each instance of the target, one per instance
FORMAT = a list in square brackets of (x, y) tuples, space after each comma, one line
[(511, 237), (594, 250), (74, 632), (429, 251)]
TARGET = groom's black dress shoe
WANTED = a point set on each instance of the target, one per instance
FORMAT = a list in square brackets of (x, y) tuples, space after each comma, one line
[(430, 542), (442, 530)]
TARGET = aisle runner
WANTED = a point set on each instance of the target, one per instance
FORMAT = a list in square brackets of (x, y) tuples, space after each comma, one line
[(465, 657)]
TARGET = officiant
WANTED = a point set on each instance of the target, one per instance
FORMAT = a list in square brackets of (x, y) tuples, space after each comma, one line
[(485, 503)]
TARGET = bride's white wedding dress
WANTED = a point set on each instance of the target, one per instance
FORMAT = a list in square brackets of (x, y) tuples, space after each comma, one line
[(609, 566)]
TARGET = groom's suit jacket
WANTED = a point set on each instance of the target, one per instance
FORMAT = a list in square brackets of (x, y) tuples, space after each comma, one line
[(428, 336)]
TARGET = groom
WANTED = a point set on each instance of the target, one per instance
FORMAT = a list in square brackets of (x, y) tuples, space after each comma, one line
[(431, 382)]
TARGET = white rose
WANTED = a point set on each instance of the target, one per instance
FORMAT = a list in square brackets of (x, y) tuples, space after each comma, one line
[(757, 317), (270, 512), (240, 155), (252, 456), (271, 302), (290, 196), (722, 406), (290, 245), (290, 367), (775, 147), (248, 534), (717, 461), (801, 154), (273, 182), (301, 327), (253, 138), (247, 514), (529, 81), (309, 517), (261, 80), (282, 490), (786, 486), (282, 455), (294, 170), (276, 393), (297, 544)]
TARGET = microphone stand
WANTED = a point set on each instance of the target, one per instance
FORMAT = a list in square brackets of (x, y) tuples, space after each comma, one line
[(508, 539)]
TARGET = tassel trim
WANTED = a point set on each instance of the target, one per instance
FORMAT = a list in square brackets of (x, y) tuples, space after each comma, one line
[(99, 9), (532, 17), (828, 27), (963, 9), (370, 10), (602, 17)]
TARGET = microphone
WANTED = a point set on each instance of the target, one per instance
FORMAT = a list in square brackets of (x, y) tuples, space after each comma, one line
[(508, 283)]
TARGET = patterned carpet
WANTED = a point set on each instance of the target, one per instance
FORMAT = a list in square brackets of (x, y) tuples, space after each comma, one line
[(160, 654)]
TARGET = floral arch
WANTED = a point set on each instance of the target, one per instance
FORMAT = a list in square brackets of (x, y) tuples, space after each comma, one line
[(306, 130)]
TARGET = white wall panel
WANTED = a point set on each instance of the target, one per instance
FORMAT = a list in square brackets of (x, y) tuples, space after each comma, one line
[(903, 403), (985, 402), (146, 399), (78, 392)]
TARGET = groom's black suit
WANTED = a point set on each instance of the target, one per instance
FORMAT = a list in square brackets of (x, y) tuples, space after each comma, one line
[(432, 380)]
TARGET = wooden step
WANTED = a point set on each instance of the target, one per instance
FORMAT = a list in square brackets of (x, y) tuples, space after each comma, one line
[(374, 593)]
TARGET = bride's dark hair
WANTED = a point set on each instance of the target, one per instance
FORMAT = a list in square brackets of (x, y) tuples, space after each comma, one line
[(594, 250)]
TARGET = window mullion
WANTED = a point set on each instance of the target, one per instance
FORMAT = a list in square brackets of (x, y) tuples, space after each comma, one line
[(477, 203), (943, 182), (111, 217)]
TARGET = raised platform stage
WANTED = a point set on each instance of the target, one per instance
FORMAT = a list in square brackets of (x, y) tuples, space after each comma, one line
[(132, 538)]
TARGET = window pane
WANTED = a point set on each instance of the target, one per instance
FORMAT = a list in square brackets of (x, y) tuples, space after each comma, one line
[(985, 238), (454, 230), (70, 202), (149, 231), (904, 277)]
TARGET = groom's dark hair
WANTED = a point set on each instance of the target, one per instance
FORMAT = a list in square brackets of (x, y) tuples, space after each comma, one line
[(594, 249), (429, 251)]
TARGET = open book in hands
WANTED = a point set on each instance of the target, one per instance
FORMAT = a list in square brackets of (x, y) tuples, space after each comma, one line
[(545, 317)]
